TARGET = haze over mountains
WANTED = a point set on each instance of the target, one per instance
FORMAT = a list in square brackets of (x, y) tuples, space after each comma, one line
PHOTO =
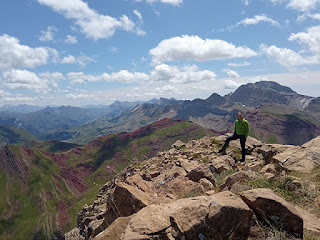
[(80, 125)]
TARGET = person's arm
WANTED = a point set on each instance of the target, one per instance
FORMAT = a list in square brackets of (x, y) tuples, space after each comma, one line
[(247, 129), (235, 126)]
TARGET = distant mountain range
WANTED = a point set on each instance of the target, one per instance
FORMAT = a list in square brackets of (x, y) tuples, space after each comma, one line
[(80, 125)]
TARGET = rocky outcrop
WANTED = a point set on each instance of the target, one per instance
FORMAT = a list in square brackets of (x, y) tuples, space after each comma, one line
[(274, 210), (192, 192), (225, 212), (16, 166), (304, 158)]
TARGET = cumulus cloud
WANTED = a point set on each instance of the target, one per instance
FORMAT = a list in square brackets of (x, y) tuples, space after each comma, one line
[(167, 89), (173, 74), (128, 77), (303, 5), (81, 78), (48, 35), (82, 60), (23, 79), (300, 5), (92, 24), (71, 39), (244, 64), (69, 59), (123, 76), (287, 57), (311, 38), (172, 2), (197, 49), (229, 84), (231, 73), (14, 55)]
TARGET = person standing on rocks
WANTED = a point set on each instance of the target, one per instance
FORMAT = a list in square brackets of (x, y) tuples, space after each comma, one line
[(241, 130)]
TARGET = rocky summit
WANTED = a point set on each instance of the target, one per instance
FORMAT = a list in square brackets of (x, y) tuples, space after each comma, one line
[(192, 192)]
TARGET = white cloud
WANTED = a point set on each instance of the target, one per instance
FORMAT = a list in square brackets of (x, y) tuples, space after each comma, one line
[(303, 5), (16, 99), (71, 39), (48, 35), (254, 21), (173, 74), (245, 2), (128, 77), (244, 64), (23, 79), (123, 76), (167, 89), (138, 14), (82, 60), (139, 31), (287, 57), (81, 78), (311, 38), (229, 84), (300, 5), (4, 94), (15, 55), (79, 96), (197, 49), (231, 73), (92, 24), (69, 59), (172, 2)]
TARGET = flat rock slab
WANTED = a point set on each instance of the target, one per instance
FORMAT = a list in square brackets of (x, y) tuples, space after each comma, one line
[(221, 215)]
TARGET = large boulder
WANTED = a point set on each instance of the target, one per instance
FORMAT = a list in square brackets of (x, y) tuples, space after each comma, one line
[(222, 163), (237, 177), (128, 200), (274, 210), (310, 222), (303, 159), (115, 230), (202, 171), (219, 216)]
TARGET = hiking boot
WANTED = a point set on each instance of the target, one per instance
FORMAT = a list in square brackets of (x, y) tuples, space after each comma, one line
[(222, 151)]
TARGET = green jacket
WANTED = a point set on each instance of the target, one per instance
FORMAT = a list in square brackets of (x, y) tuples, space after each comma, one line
[(241, 128)]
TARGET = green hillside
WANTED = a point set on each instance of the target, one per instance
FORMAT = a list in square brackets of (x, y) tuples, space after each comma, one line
[(14, 135), (43, 191), (278, 123)]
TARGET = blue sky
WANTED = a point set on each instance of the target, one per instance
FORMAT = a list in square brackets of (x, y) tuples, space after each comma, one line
[(76, 52)]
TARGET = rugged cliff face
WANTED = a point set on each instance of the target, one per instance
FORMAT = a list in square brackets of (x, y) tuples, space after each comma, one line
[(192, 192)]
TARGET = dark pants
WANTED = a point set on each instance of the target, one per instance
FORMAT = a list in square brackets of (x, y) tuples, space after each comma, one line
[(242, 143)]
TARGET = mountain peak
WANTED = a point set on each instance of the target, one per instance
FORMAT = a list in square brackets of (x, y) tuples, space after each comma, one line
[(255, 94), (270, 85)]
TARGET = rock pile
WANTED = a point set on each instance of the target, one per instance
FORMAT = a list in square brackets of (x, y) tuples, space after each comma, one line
[(192, 192)]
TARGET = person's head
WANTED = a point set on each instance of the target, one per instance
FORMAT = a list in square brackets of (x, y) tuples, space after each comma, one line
[(240, 116)]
